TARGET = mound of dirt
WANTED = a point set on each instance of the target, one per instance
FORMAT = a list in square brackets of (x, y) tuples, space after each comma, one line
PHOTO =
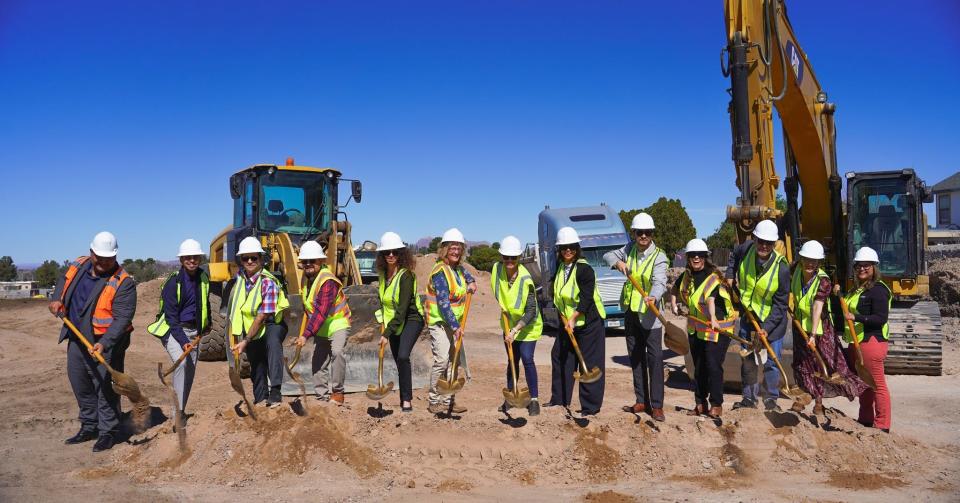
[(945, 285)]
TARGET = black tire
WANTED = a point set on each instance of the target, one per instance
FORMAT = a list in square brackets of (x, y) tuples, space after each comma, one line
[(213, 346)]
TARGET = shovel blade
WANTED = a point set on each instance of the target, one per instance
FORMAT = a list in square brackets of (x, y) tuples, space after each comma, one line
[(126, 386), (866, 376), (518, 400), (379, 393), (450, 387), (792, 391), (593, 375), (837, 379), (163, 378)]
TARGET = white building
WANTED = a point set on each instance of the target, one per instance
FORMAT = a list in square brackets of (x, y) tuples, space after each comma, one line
[(947, 193), (18, 289)]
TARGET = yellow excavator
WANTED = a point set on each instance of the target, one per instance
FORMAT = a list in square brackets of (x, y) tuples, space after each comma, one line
[(285, 206), (768, 70)]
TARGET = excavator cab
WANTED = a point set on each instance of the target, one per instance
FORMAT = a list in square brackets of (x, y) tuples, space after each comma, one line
[(885, 213)]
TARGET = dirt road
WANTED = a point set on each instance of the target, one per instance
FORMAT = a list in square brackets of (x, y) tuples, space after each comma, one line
[(353, 454)]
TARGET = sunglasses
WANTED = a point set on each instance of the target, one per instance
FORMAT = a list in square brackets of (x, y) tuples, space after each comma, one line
[(250, 258), (391, 253), (764, 242), (309, 261), (862, 265), (699, 255), (567, 247), (509, 259), (192, 258), (642, 232)]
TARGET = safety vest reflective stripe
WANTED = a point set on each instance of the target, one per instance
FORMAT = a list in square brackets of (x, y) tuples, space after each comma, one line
[(761, 303), (339, 316), (160, 327), (102, 316), (803, 301), (513, 300), (642, 271), (389, 292), (853, 302), (566, 293), (456, 283), (698, 306), (244, 305)]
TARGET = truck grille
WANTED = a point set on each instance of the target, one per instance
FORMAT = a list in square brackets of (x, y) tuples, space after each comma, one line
[(610, 290)]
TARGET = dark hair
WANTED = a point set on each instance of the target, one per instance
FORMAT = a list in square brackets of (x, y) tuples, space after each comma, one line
[(687, 277), (405, 260), (576, 247)]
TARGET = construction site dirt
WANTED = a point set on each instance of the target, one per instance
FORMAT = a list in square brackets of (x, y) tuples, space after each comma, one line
[(362, 452)]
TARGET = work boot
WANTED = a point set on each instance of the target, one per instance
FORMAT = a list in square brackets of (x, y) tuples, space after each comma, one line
[(715, 412), (818, 410), (84, 435), (337, 397), (657, 414), (456, 409), (437, 408), (533, 408), (104, 442), (504, 407), (798, 407), (697, 410), (276, 399), (746, 403), (770, 404), (636, 408)]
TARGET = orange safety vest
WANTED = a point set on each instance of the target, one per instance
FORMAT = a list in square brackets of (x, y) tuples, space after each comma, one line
[(103, 312)]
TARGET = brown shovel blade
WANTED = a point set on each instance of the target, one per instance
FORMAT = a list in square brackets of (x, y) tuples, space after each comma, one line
[(593, 375), (161, 375), (519, 399), (125, 385), (379, 393), (237, 385), (447, 388)]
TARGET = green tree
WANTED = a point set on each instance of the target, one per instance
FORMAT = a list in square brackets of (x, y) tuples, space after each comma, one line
[(142, 270), (434, 245), (483, 257), (495, 245), (674, 227), (46, 275), (8, 271), (724, 236)]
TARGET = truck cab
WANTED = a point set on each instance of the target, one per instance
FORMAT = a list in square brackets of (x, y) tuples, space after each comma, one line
[(600, 230)]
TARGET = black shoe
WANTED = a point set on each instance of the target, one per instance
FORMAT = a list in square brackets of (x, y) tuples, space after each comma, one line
[(81, 437), (504, 406), (770, 404), (746, 403), (533, 408), (104, 442), (275, 399), (408, 408), (885, 430)]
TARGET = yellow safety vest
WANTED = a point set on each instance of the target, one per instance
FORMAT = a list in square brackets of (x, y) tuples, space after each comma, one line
[(390, 298), (642, 271), (566, 294), (853, 301), (160, 327), (244, 305), (757, 292), (803, 302), (513, 299), (339, 318), (698, 319), (457, 283)]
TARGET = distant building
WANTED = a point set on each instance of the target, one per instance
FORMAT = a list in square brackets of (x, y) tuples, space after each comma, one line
[(947, 193), (18, 289)]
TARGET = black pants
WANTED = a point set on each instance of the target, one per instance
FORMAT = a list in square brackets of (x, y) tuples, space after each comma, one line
[(266, 361), (401, 346), (563, 362), (645, 348), (708, 369), (99, 404)]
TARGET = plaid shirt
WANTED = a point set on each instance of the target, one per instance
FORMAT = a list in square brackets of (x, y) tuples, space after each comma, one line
[(322, 305), (268, 292)]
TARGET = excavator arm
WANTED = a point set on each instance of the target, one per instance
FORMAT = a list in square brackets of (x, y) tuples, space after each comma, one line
[(768, 69)]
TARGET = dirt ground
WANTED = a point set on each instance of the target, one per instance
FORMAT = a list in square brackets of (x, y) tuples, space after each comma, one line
[(360, 451)]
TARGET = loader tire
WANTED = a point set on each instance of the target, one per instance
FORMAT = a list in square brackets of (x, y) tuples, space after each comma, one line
[(213, 347)]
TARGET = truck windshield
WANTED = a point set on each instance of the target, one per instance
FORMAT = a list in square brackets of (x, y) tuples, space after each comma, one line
[(294, 202), (594, 256), (881, 220)]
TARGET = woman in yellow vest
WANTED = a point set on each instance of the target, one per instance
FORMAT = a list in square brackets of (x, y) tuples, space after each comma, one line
[(869, 305), (515, 291), (762, 278), (257, 303), (328, 322), (446, 296), (400, 314), (709, 311), (810, 287), (577, 299)]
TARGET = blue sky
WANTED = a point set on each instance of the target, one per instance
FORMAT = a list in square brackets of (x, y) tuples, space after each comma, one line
[(130, 116)]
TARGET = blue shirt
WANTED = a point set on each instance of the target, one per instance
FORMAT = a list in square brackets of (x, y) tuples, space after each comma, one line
[(81, 293), (188, 294)]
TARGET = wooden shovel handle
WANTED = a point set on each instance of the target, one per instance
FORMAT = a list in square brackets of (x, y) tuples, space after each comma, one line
[(183, 356), (650, 305), (73, 328), (852, 328)]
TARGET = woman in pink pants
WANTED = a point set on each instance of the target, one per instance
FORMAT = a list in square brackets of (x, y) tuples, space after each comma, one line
[(869, 306)]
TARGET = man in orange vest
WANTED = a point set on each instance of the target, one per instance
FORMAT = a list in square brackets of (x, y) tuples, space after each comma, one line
[(100, 298)]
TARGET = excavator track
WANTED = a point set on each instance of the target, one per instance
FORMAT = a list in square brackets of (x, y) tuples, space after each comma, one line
[(916, 340)]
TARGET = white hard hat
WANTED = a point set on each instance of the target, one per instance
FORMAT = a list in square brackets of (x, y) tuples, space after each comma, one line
[(642, 221), (567, 236), (104, 244), (510, 247), (390, 241), (812, 249), (866, 254), (189, 247), (311, 250), (249, 244), (453, 236), (766, 230), (697, 245)]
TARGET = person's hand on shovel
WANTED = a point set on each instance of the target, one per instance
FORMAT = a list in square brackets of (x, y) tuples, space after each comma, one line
[(301, 340), (457, 334), (384, 341), (850, 316), (512, 334), (187, 347), (55, 307), (812, 343), (572, 322), (96, 348), (240, 346), (714, 325)]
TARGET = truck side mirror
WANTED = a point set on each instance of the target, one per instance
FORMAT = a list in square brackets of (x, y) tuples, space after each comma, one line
[(236, 186), (356, 190)]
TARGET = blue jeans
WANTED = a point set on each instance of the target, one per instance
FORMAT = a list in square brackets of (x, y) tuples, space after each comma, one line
[(524, 350), (771, 374)]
